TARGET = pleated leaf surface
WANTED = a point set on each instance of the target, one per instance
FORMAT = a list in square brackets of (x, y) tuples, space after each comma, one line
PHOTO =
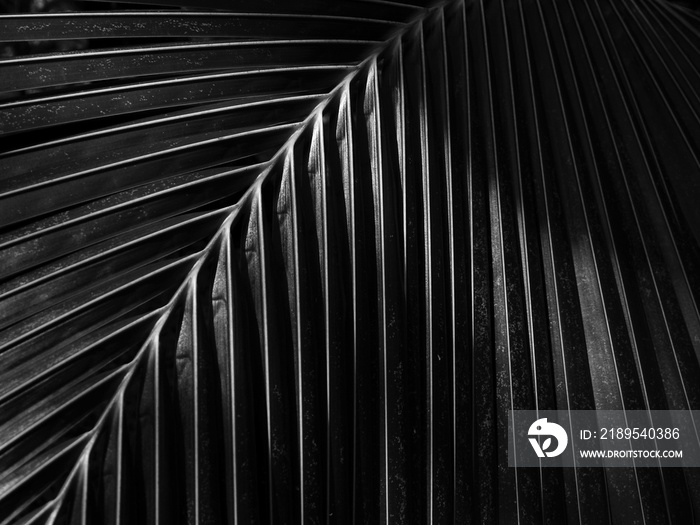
[(293, 262)]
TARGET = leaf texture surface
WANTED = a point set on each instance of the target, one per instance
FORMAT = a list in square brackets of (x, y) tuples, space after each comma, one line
[(293, 262)]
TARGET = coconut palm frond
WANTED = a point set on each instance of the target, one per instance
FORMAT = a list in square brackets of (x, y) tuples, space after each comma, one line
[(290, 262)]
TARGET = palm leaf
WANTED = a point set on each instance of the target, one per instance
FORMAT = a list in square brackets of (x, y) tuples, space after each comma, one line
[(293, 262)]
